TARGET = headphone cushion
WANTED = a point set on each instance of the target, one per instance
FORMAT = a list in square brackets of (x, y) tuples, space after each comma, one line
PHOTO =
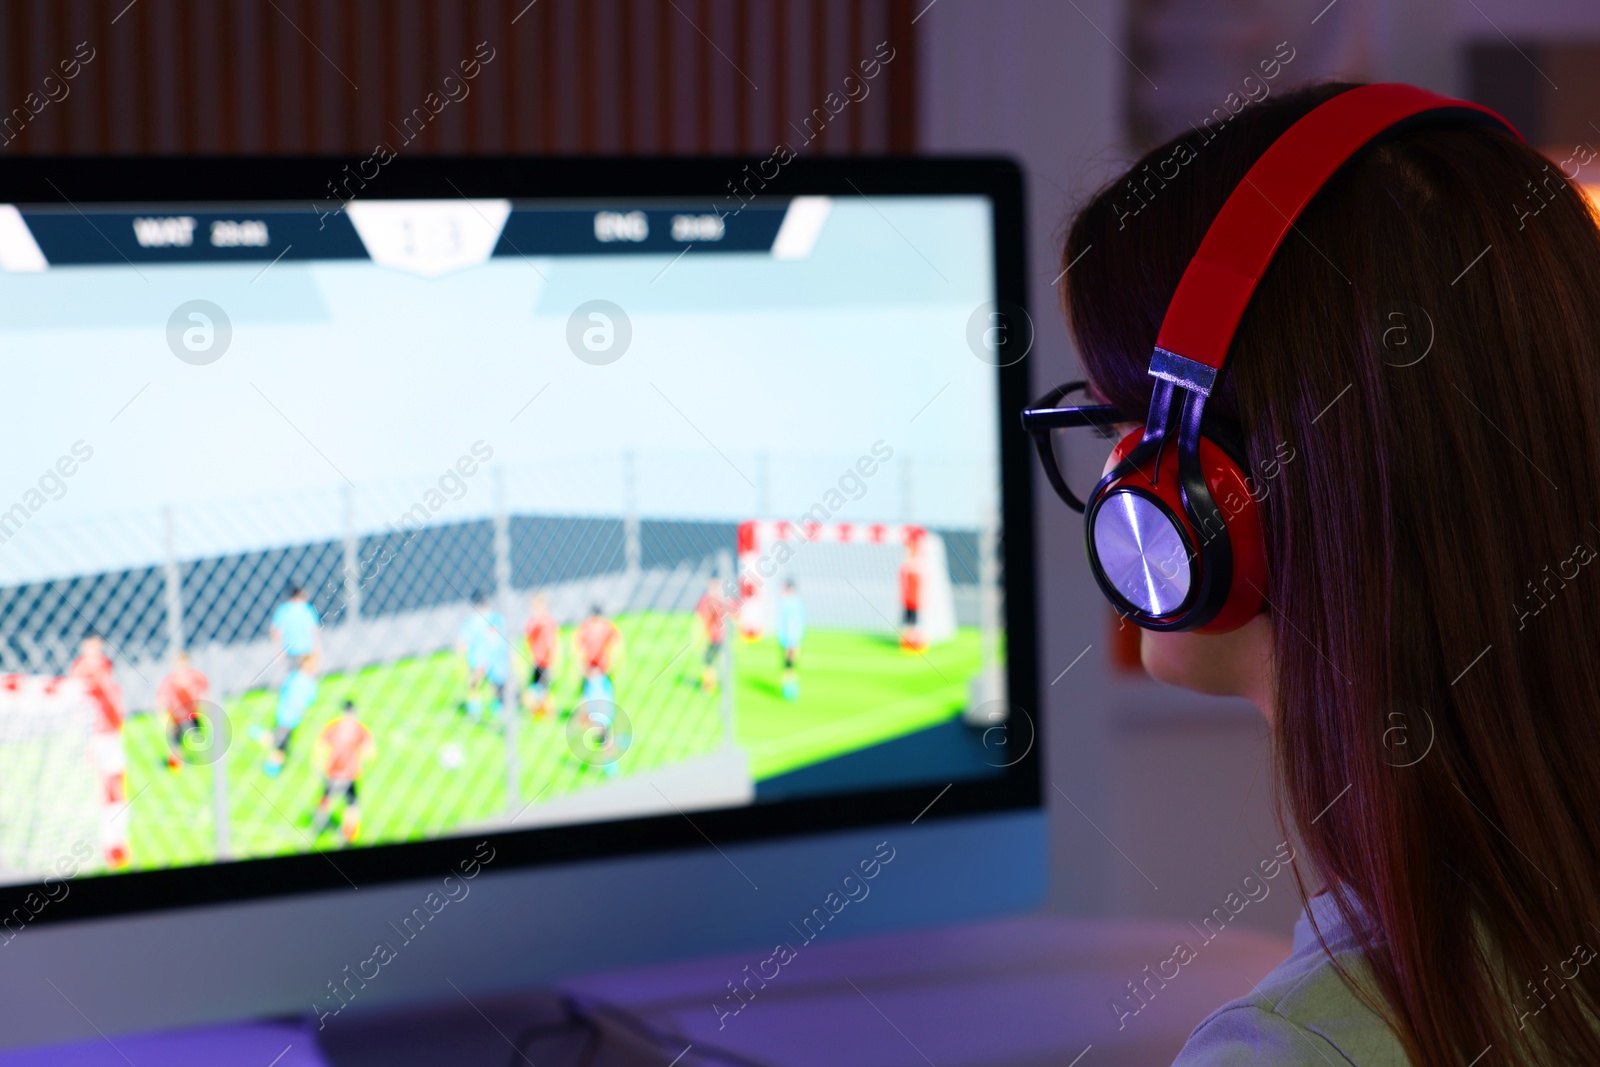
[(1236, 511), (1227, 476)]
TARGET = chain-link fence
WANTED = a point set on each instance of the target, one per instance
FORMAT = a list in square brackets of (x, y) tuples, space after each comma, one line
[(424, 591)]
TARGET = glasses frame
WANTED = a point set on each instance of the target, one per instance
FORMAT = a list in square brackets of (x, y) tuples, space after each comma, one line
[(1048, 414)]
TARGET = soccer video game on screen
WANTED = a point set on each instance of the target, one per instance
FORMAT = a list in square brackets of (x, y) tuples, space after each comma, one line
[(412, 519)]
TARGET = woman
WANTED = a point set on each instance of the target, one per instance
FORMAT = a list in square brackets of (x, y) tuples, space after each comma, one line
[(1425, 351)]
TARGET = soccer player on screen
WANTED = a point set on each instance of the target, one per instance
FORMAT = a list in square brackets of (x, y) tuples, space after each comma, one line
[(342, 752), (791, 631), (178, 697), (541, 632), (93, 668), (597, 641), (911, 596), (296, 627), (712, 611), (295, 697), (484, 645)]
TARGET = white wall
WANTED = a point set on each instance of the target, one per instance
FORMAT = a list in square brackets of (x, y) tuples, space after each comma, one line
[(1156, 806), (1036, 82)]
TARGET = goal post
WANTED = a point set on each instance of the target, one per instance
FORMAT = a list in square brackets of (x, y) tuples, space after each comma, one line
[(847, 574), (51, 805)]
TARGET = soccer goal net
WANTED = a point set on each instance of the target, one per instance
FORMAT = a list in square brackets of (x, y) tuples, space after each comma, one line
[(49, 792), (849, 576)]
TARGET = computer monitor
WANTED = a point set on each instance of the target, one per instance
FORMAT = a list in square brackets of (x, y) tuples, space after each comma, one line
[(594, 538)]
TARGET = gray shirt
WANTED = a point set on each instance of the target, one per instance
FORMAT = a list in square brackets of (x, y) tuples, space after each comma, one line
[(1302, 1014)]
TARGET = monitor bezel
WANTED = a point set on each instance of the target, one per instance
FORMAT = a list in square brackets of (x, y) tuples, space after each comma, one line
[(73, 182)]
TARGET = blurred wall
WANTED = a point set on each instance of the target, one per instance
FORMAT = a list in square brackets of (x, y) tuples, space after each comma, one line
[(1042, 82), (1157, 799)]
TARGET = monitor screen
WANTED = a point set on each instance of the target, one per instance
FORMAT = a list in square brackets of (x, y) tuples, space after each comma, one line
[(347, 526)]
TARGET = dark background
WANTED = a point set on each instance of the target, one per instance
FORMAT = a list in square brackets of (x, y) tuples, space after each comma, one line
[(568, 76)]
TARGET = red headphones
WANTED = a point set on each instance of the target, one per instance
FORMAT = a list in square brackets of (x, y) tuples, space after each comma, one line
[(1173, 534)]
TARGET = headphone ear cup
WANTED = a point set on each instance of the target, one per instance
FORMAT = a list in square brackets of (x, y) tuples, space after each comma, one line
[(1122, 449), (1141, 546), (1227, 477), (1232, 512)]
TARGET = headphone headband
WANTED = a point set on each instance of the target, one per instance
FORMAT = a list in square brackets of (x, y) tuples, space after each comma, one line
[(1210, 300), (1174, 536)]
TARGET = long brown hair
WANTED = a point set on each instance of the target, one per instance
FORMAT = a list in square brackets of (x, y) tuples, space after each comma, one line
[(1427, 344)]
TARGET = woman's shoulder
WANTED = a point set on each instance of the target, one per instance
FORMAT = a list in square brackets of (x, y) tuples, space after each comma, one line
[(1303, 1012)]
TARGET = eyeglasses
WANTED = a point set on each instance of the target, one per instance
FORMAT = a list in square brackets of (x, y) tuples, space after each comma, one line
[(1072, 461)]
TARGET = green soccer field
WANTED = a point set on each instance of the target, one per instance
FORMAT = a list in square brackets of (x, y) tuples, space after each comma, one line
[(437, 771)]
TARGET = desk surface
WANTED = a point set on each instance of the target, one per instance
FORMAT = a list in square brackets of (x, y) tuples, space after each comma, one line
[(1016, 992), (289, 1043), (1034, 989)]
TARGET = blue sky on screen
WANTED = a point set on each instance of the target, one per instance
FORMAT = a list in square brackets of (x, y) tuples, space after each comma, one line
[(742, 369)]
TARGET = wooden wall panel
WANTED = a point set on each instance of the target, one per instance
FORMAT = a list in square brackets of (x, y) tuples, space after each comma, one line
[(568, 76)]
